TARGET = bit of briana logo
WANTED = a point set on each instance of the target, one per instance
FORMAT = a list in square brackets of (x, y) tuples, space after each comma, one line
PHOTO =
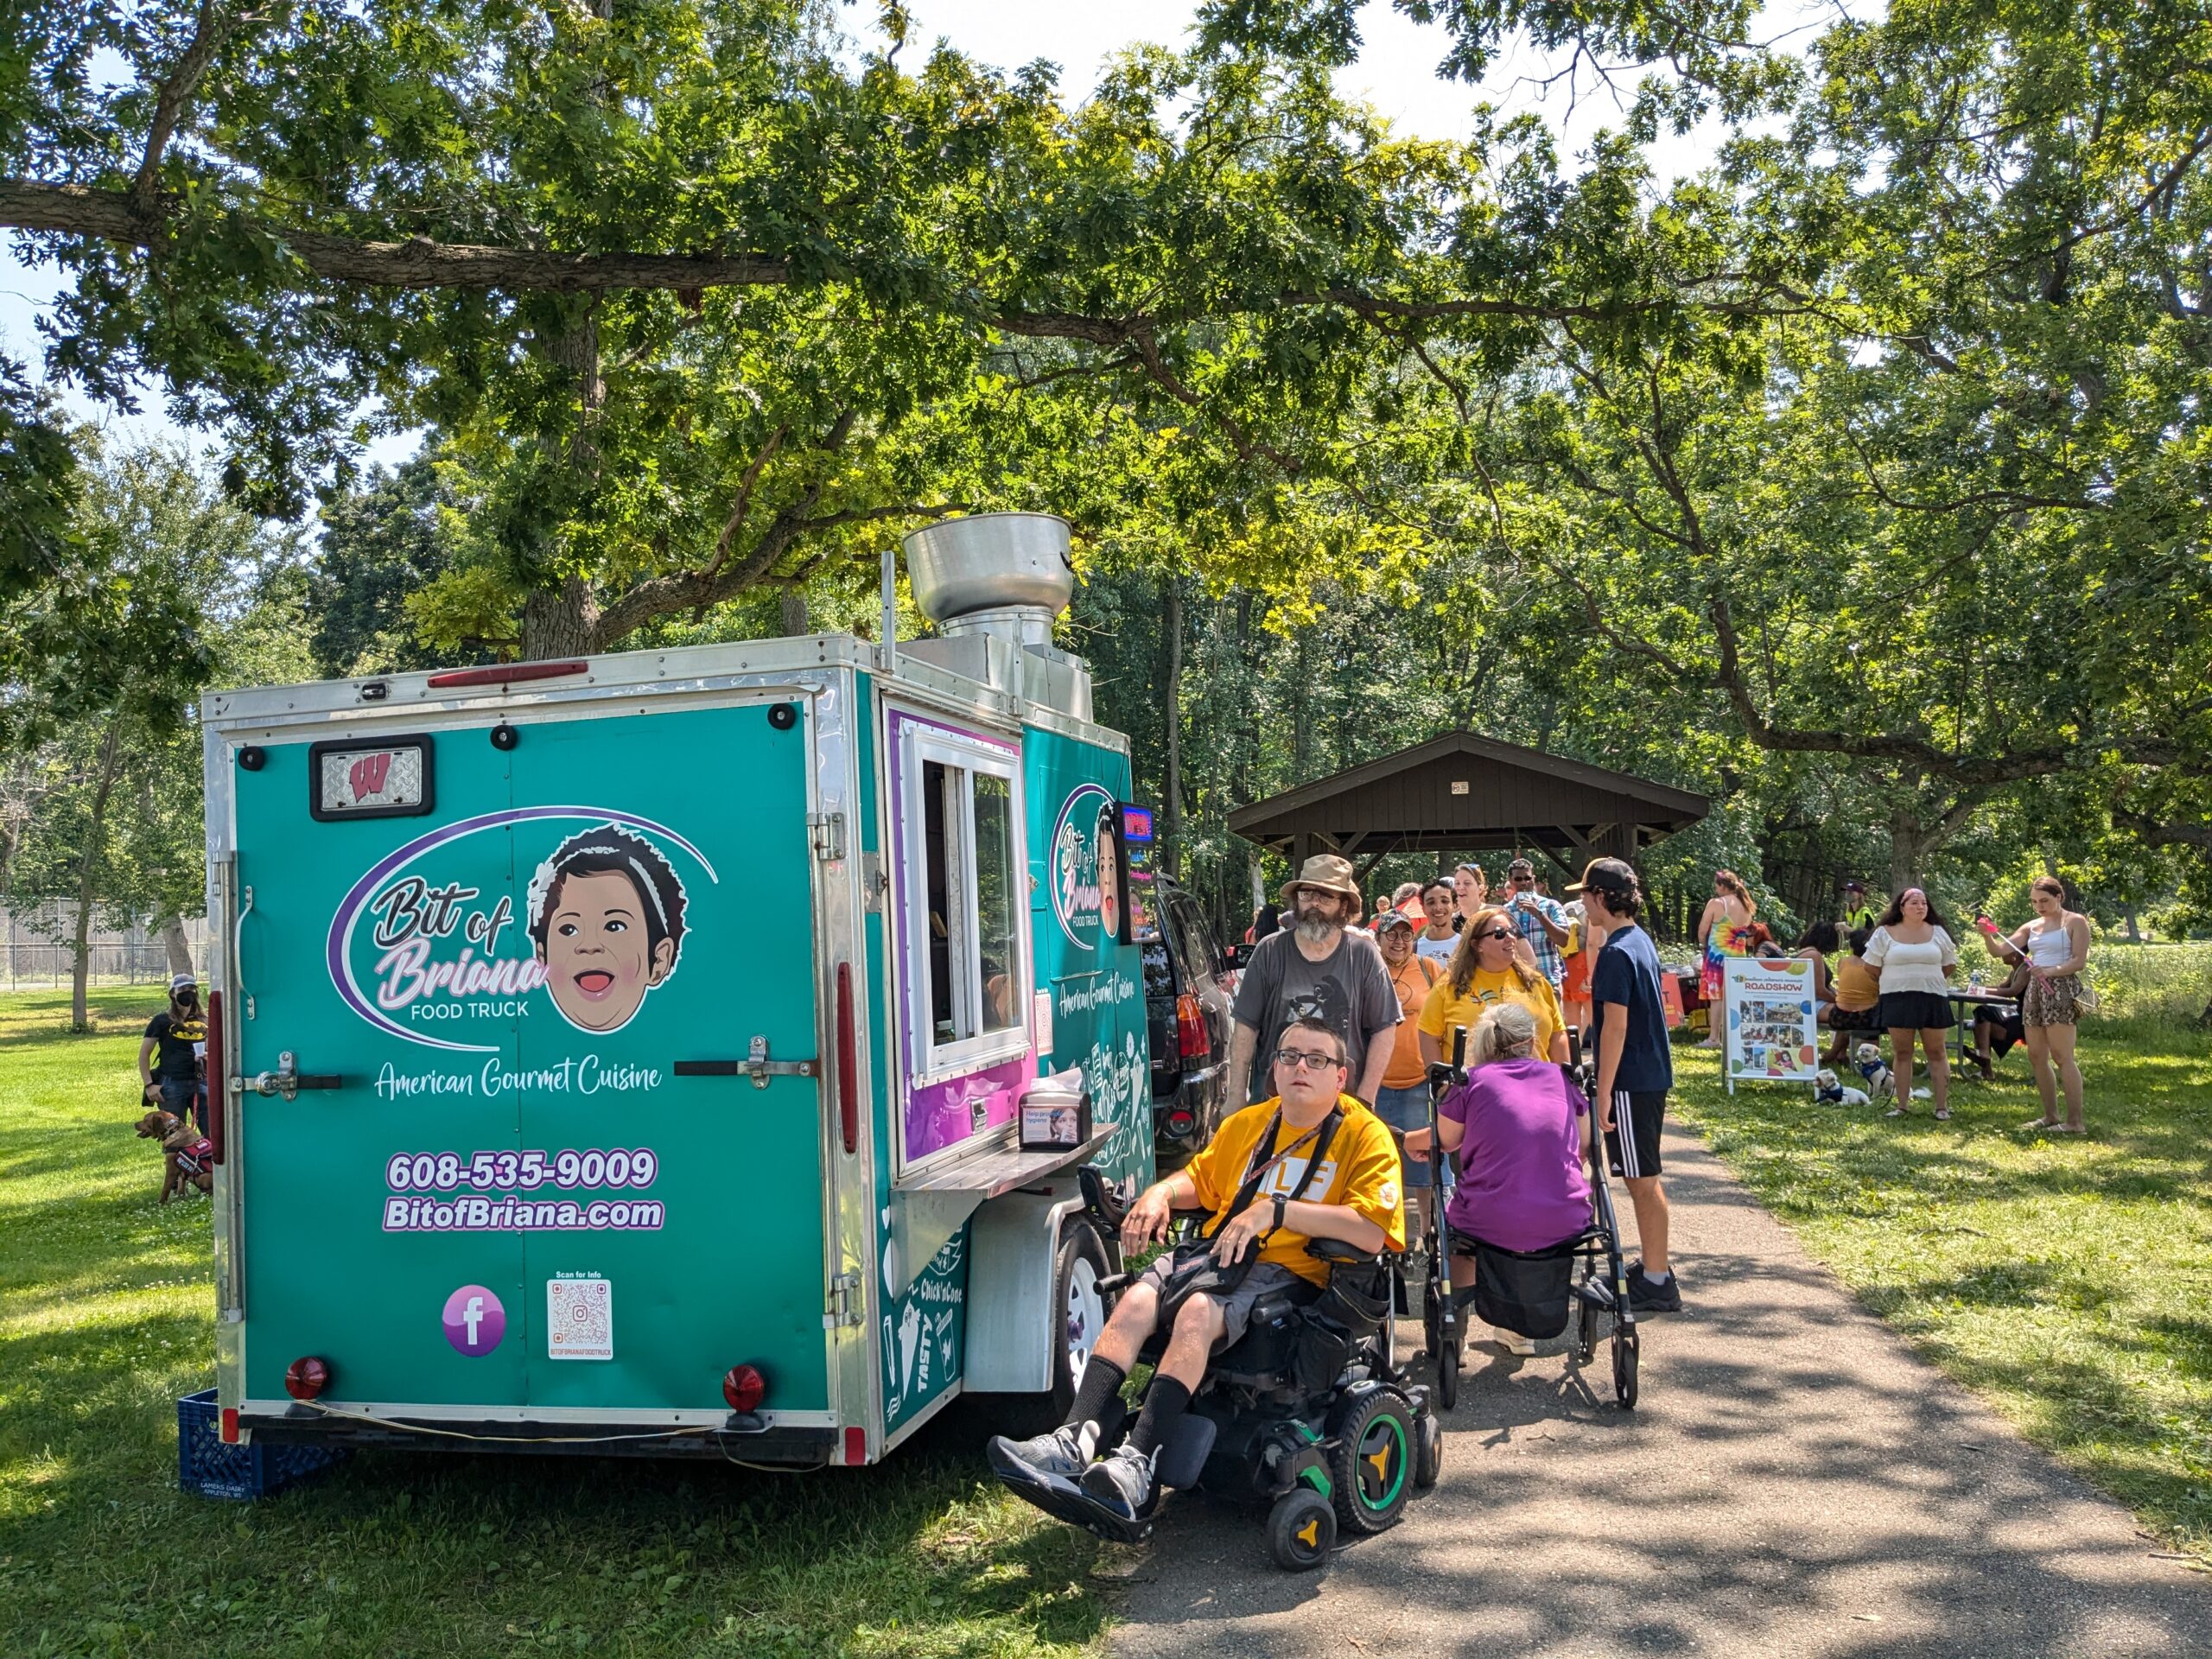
[(604, 916), (1085, 893)]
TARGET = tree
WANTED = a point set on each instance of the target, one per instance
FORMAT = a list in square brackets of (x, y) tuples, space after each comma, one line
[(112, 818), (697, 296)]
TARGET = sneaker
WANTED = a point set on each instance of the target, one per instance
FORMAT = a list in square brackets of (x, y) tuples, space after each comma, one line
[(1122, 1480), (1064, 1451), (1512, 1341), (1646, 1297)]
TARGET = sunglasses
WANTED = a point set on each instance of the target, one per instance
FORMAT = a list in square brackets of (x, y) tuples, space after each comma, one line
[(1303, 1060), (1496, 933)]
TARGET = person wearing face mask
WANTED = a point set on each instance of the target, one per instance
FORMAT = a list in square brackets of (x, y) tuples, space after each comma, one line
[(1491, 965), (1322, 961), (1916, 956), (169, 1057)]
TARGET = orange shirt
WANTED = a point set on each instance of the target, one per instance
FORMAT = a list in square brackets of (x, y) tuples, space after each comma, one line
[(1411, 982)]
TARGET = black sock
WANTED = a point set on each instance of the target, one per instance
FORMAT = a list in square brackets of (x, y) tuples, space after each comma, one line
[(1165, 1402), (1098, 1399)]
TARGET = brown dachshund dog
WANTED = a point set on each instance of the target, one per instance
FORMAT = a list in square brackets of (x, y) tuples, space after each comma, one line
[(186, 1154)]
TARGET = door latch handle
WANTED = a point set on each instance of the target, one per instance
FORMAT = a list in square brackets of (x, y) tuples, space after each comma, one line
[(286, 1080), (757, 1066)]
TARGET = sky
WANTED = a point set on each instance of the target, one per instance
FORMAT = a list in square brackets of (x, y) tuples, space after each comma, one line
[(1395, 73)]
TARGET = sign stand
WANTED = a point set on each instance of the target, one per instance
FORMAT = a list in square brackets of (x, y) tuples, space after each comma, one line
[(1772, 1033)]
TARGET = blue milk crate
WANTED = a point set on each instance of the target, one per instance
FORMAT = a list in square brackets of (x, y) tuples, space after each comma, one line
[(206, 1465)]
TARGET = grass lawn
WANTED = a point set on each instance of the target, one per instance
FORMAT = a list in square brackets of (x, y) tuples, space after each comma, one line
[(106, 1316), (2066, 1279)]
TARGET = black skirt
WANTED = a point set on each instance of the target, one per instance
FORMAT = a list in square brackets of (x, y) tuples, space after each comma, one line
[(1914, 1011)]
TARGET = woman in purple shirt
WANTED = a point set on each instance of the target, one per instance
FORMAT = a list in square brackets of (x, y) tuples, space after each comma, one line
[(1522, 1131)]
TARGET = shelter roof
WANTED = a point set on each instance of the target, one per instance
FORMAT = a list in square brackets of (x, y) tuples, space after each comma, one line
[(1460, 792)]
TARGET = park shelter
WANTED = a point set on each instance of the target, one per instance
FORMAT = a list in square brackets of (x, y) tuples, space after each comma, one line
[(1464, 793)]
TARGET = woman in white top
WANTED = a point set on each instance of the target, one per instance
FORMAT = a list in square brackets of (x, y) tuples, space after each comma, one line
[(2056, 948), (1915, 956)]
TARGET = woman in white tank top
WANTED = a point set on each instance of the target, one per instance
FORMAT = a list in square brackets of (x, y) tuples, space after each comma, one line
[(2056, 947)]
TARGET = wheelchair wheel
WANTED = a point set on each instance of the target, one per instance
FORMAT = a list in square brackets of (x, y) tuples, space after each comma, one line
[(1373, 1462), (1586, 1334), (1428, 1451), (1624, 1366), (1301, 1530)]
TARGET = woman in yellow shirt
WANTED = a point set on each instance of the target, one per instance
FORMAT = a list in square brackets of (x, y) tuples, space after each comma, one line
[(1487, 968)]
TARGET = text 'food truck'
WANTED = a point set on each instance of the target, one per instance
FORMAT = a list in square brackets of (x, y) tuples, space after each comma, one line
[(692, 1051)]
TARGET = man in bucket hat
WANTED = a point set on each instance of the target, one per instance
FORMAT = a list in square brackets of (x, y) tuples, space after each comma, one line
[(1320, 965)]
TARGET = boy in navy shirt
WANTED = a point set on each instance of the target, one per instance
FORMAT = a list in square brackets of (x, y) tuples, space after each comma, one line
[(1635, 1068)]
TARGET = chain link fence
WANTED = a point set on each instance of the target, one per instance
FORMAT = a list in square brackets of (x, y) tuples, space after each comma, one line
[(40, 965)]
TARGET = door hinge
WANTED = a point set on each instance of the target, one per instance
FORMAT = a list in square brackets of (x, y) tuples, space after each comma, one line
[(847, 1307), (829, 832)]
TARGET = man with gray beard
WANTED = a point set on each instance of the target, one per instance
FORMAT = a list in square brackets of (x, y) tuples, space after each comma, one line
[(1320, 967)]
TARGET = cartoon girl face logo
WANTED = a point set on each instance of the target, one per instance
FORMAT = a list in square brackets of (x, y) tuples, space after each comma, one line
[(606, 919), (1106, 852)]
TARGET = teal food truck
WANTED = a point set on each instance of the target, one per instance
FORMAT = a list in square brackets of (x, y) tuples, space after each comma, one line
[(676, 1053)]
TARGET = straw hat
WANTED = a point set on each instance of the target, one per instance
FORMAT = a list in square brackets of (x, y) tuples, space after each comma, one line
[(1325, 872)]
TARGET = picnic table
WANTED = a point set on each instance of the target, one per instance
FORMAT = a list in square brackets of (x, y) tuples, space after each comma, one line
[(1964, 1001)]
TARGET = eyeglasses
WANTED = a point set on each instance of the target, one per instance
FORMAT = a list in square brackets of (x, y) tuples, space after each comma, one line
[(1300, 1060), (1497, 933)]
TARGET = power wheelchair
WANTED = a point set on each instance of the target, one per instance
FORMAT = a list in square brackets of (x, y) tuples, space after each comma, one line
[(1306, 1414)]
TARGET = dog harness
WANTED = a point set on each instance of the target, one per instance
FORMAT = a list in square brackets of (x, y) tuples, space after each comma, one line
[(196, 1159)]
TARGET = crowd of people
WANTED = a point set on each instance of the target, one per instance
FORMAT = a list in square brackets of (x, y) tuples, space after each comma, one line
[(1892, 973)]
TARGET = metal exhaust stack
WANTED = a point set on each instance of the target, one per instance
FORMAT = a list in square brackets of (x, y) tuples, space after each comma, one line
[(1001, 576)]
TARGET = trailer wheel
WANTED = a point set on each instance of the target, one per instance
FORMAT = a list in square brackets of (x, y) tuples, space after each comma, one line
[(1079, 1308), (1078, 1312)]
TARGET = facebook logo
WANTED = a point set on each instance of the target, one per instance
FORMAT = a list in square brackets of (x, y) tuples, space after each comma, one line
[(474, 1320)]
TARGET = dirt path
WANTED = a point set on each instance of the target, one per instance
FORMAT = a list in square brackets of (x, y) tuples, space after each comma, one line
[(1795, 1481)]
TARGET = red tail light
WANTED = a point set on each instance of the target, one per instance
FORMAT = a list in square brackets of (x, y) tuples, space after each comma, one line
[(219, 1078), (744, 1387), (1191, 1041), (849, 1083), (306, 1378)]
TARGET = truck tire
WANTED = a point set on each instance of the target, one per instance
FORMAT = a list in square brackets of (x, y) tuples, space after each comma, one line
[(1079, 1314)]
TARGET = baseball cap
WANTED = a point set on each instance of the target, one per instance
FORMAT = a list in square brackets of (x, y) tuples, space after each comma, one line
[(1390, 919), (182, 982), (1855, 886), (1612, 876)]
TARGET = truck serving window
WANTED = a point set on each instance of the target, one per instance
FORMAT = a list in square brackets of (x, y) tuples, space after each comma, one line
[(965, 951)]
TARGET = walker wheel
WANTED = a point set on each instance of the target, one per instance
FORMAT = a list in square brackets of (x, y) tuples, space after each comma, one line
[(1302, 1529), (1429, 1450), (1448, 1371), (1586, 1334), (1624, 1366)]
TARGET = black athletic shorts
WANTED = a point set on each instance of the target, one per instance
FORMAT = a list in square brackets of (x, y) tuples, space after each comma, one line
[(1633, 1141)]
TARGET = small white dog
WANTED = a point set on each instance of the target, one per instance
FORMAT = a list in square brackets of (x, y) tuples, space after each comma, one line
[(1830, 1092), (1868, 1059)]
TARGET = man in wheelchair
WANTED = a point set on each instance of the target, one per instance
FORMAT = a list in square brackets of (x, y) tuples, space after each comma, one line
[(1312, 1163)]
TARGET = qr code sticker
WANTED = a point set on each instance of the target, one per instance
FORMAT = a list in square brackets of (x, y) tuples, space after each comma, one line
[(579, 1318)]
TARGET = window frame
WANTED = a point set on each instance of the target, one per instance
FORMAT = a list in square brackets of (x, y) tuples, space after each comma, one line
[(964, 758)]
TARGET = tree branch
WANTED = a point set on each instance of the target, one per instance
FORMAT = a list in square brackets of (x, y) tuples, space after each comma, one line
[(209, 31)]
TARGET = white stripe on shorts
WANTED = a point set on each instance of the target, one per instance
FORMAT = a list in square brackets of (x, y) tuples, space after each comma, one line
[(1624, 1125)]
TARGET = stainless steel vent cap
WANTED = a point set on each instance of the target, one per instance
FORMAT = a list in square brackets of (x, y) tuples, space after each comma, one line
[(990, 560)]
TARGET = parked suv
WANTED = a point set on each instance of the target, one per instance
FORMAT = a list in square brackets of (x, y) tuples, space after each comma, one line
[(1188, 991)]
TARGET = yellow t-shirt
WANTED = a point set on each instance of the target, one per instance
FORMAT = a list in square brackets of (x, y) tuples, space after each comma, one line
[(1443, 1010), (1858, 987), (1361, 1171)]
